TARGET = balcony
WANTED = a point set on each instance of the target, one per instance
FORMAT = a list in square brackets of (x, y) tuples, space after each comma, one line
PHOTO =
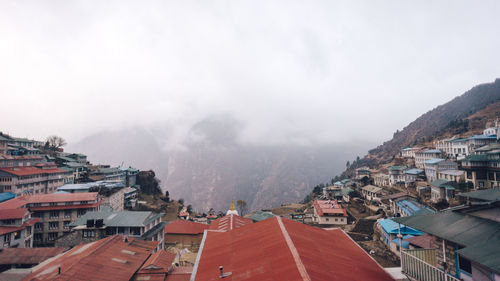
[(420, 264)]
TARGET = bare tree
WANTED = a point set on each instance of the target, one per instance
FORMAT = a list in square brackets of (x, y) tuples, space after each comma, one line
[(242, 207), (56, 142)]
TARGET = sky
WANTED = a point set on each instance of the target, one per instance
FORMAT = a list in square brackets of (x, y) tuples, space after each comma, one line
[(303, 72)]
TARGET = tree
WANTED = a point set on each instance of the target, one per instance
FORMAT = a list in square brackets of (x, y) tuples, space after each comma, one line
[(167, 196), (181, 201), (347, 165), (56, 142), (242, 207), (189, 209)]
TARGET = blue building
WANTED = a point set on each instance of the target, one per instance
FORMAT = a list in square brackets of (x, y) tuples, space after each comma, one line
[(389, 230), (4, 196)]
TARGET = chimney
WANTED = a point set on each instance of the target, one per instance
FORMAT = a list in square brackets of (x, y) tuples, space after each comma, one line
[(59, 271), (221, 271), (125, 239)]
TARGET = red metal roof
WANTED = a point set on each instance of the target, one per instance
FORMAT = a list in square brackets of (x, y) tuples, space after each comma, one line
[(7, 214), (110, 258), (183, 214), (326, 207), (28, 255), (156, 267), (229, 222), (185, 227), (423, 241), (182, 273), (22, 201), (26, 171), (280, 249)]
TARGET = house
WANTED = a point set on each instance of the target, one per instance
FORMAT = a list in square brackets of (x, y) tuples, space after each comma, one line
[(381, 180), (346, 197), (54, 211), (389, 201), (371, 192), (442, 190), (157, 267), (409, 152), (329, 212), (465, 244), (107, 173), (333, 192), (184, 234), (280, 249), (16, 228), (425, 154), (362, 172), (78, 157), (19, 161), (397, 175), (454, 175), (389, 231), (113, 258), (229, 222), (410, 207), (113, 194), (482, 167), (78, 170), (32, 180), (433, 166), (24, 258), (413, 175), (95, 225), (130, 175)]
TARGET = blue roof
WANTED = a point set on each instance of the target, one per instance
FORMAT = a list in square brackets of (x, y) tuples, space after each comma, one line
[(434, 161), (391, 227), (414, 171), (411, 207), (482, 137), (4, 196), (433, 151), (405, 243)]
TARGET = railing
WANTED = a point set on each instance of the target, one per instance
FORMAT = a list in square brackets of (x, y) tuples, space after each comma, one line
[(421, 270)]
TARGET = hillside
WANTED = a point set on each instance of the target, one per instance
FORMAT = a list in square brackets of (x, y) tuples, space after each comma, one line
[(465, 114)]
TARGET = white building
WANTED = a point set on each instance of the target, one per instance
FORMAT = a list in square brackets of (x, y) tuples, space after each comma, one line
[(433, 166), (423, 155)]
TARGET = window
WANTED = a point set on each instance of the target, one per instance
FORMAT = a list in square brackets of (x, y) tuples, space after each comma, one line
[(67, 214), (69, 203), (66, 224), (464, 264), (80, 213), (52, 236), (38, 226), (37, 237), (88, 233), (84, 202), (54, 214), (135, 231), (53, 225), (53, 204), (17, 235)]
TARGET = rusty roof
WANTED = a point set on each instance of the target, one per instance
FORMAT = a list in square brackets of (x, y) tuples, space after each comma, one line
[(181, 273), (26, 171), (156, 267), (7, 214), (280, 249), (327, 207), (423, 241), (229, 222), (185, 227), (22, 201), (28, 255), (112, 258)]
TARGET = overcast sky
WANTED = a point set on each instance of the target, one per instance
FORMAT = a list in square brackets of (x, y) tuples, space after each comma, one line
[(288, 71)]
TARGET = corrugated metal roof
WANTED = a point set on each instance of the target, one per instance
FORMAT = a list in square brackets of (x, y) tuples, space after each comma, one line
[(279, 249), (4, 196), (260, 216), (229, 222), (372, 188), (28, 255), (492, 194), (116, 219), (392, 227), (479, 234), (434, 161), (185, 227)]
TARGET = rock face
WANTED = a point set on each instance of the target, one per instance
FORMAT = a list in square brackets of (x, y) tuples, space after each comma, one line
[(214, 168)]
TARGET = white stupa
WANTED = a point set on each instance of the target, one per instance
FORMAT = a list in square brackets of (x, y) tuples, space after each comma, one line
[(232, 210)]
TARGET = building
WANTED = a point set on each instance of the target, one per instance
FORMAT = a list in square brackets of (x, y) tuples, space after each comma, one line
[(457, 176), (184, 234), (130, 175), (465, 244), (371, 192), (96, 225), (229, 222), (54, 211), (78, 170), (346, 194), (158, 266), (362, 172), (381, 180), (425, 154), (80, 158), (107, 173), (280, 249), (4, 141), (329, 212), (130, 197), (397, 175), (113, 194), (389, 231), (261, 215), (19, 161), (409, 152), (5, 196), (113, 258), (410, 207), (16, 228), (23, 258), (442, 190), (32, 180), (413, 175), (482, 168), (433, 166)]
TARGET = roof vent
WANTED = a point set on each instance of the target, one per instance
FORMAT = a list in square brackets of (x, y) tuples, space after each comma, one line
[(222, 274), (119, 260)]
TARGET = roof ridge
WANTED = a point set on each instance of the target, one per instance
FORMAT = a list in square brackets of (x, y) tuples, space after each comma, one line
[(295, 254)]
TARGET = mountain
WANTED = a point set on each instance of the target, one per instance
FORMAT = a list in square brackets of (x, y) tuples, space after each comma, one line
[(465, 114), (213, 167)]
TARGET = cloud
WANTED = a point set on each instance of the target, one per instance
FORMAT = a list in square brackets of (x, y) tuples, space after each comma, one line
[(289, 71)]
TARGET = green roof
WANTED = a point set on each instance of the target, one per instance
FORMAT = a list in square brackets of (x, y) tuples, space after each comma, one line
[(476, 158), (118, 219), (372, 188), (398, 168), (484, 195), (260, 216), (346, 191), (440, 182), (479, 236)]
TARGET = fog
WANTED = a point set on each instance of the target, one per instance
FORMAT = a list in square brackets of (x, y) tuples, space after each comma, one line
[(279, 72)]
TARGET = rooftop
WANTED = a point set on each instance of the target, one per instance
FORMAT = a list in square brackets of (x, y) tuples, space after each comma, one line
[(425, 241), (372, 188), (22, 201), (260, 216), (118, 219), (440, 182), (112, 258), (27, 171), (392, 227), (432, 151), (434, 161), (281, 249), (452, 172), (28, 255), (412, 207), (185, 227), (327, 207), (492, 194), (229, 222), (4, 196), (397, 168), (414, 171), (7, 214)]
